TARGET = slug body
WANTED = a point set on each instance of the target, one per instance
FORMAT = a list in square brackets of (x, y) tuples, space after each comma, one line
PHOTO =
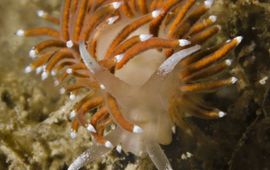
[(146, 105), (107, 70)]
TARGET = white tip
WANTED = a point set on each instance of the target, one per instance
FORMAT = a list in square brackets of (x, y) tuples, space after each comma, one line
[(173, 129), (44, 75), (184, 42), (208, 3), (228, 62), (238, 39), (144, 37), (113, 126), (234, 80), (229, 40), (53, 73), (116, 5), (119, 148), (263, 80), (62, 90), (213, 18), (137, 129), (39, 70), (69, 44), (189, 155), (119, 57), (72, 114), (102, 87), (41, 13), (111, 20), (56, 82), (69, 70), (156, 13), (183, 156), (33, 53), (72, 96), (73, 134), (221, 114), (20, 33), (28, 69), (91, 128), (108, 144)]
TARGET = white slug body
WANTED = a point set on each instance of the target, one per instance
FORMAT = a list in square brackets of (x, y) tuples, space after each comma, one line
[(141, 105)]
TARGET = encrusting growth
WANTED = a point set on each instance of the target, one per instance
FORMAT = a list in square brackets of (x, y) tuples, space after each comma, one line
[(144, 114)]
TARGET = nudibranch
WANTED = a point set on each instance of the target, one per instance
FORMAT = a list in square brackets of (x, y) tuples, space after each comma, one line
[(141, 65)]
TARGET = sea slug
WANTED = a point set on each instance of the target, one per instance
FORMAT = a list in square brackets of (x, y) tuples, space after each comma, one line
[(140, 65)]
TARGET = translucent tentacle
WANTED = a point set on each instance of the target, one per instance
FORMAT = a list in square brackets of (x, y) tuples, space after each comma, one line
[(158, 156), (168, 65), (107, 80), (93, 153), (88, 60)]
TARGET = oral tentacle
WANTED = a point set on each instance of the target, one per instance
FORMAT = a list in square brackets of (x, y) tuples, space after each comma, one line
[(108, 82), (168, 66), (93, 153), (158, 156)]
